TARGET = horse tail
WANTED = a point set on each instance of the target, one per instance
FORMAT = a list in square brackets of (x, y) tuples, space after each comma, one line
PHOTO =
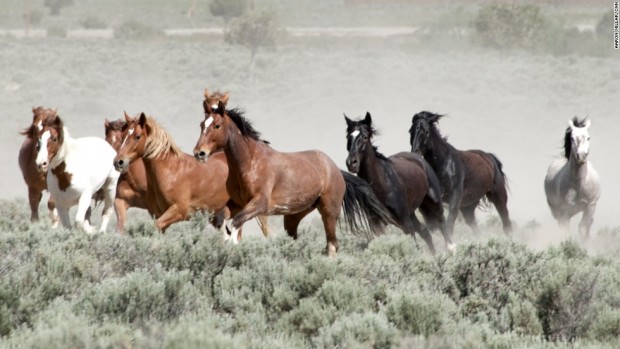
[(362, 209), (499, 179)]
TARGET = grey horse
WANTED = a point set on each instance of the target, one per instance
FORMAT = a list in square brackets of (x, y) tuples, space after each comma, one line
[(572, 184)]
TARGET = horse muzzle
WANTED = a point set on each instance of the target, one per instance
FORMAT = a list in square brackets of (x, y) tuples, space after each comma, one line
[(201, 155), (43, 167), (121, 165), (353, 165)]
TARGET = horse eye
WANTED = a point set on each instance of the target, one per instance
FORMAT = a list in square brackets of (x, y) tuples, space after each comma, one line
[(217, 126), (138, 136), (588, 138)]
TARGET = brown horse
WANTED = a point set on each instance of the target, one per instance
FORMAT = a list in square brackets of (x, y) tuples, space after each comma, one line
[(177, 185), (131, 187), (35, 180), (263, 181)]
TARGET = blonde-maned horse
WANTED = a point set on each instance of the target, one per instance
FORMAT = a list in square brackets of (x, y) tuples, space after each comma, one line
[(77, 168)]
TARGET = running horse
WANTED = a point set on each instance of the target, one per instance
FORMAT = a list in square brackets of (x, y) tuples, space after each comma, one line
[(264, 181), (403, 182), (131, 188), (76, 170), (572, 184), (35, 180), (467, 176), (177, 185)]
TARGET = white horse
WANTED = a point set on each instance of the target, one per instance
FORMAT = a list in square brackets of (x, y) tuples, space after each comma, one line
[(76, 170), (572, 184)]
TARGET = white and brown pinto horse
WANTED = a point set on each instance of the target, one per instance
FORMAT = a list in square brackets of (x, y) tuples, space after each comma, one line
[(572, 184), (76, 170)]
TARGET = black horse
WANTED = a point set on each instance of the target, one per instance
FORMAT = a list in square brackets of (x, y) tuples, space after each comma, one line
[(466, 176), (403, 182)]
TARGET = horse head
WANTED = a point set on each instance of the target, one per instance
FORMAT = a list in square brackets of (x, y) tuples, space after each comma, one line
[(114, 132), (49, 141), (39, 116), (577, 139), (422, 125), (134, 135), (359, 135), (213, 129)]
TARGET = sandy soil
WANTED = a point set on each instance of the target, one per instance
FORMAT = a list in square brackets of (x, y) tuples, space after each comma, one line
[(515, 106)]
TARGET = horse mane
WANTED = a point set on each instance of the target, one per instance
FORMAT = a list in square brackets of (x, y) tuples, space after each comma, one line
[(433, 119), (243, 124), (568, 134), (32, 130), (159, 141), (116, 125)]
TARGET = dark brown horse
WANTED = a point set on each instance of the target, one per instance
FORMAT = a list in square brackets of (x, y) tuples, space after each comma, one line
[(403, 182), (466, 176), (177, 185), (35, 180), (263, 181), (131, 187)]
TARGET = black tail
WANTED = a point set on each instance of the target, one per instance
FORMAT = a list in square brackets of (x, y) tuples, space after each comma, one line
[(500, 179), (363, 212)]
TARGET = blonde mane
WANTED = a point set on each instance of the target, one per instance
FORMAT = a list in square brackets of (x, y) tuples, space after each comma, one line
[(159, 141)]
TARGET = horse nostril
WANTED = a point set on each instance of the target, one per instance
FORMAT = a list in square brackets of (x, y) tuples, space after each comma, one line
[(120, 162), (202, 154)]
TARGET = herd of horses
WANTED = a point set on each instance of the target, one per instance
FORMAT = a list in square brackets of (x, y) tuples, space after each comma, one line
[(237, 176)]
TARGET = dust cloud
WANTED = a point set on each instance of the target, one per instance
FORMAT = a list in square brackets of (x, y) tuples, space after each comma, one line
[(515, 105)]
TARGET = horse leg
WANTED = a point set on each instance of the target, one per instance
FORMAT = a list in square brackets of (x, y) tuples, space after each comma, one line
[(330, 210), (63, 214), (173, 214), (108, 203), (416, 225), (586, 221), (453, 212), (433, 215), (51, 206), (291, 222), (256, 206), (34, 197), (469, 215), (499, 198), (120, 206), (81, 219)]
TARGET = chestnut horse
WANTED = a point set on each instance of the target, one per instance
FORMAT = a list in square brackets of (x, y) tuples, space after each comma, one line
[(76, 170), (263, 181), (35, 180), (466, 176), (404, 182), (177, 185), (131, 187)]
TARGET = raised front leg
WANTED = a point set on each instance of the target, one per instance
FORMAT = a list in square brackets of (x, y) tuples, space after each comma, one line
[(173, 214), (51, 206), (108, 203), (586, 221), (256, 206)]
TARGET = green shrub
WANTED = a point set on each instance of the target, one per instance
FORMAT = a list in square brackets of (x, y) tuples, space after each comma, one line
[(253, 30), (56, 32), (420, 313), (357, 330), (56, 5), (228, 9), (510, 26)]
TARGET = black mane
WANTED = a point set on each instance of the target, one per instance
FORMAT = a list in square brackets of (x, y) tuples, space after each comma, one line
[(243, 124), (568, 134), (431, 118)]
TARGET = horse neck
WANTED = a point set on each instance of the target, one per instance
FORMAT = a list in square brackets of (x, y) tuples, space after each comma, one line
[(370, 165), (64, 151), (437, 153), (155, 167), (239, 151)]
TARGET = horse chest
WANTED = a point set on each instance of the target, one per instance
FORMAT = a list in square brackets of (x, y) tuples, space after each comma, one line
[(63, 178)]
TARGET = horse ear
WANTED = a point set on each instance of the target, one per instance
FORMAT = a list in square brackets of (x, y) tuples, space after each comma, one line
[(56, 111), (142, 120), (128, 118), (349, 121), (225, 98), (106, 123), (367, 119), (587, 124), (571, 124), (221, 107), (207, 93)]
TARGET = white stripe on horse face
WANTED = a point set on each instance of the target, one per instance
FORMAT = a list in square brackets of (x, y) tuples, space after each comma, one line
[(40, 125), (354, 134), (208, 122), (42, 155), (129, 133), (214, 106)]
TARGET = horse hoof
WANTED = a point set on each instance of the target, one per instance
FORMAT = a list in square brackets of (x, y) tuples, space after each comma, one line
[(451, 247)]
